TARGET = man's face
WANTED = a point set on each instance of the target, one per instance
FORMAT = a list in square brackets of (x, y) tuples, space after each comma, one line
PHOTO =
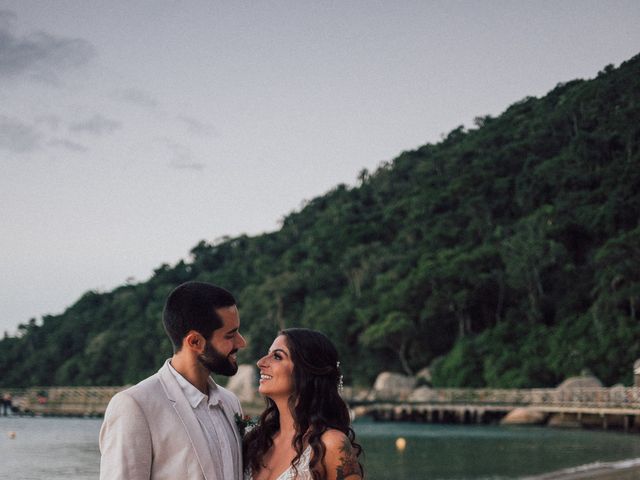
[(219, 354)]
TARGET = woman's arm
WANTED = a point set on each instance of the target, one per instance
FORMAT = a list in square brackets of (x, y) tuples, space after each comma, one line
[(340, 458)]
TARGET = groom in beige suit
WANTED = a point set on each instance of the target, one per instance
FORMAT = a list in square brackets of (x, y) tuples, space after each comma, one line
[(179, 424)]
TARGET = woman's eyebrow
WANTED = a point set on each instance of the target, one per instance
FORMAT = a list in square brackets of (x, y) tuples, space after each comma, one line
[(278, 350)]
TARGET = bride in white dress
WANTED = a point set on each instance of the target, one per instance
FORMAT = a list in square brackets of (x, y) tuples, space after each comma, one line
[(304, 432)]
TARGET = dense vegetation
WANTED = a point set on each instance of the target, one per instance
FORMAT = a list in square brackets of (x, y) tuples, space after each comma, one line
[(506, 255)]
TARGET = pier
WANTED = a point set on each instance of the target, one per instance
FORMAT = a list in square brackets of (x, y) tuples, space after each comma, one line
[(63, 401), (615, 407)]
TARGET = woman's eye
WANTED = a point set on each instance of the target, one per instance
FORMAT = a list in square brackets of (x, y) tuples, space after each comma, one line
[(277, 356)]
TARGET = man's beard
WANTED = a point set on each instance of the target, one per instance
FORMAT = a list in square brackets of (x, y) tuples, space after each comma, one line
[(215, 362)]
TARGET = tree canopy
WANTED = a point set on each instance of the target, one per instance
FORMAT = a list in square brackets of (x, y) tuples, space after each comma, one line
[(506, 255)]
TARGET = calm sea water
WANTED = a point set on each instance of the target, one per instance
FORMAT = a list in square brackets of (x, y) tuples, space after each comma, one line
[(67, 448)]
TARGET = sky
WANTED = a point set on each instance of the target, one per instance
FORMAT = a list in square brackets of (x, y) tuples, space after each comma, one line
[(131, 130)]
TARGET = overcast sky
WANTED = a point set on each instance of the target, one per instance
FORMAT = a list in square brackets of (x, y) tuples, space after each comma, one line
[(131, 130)]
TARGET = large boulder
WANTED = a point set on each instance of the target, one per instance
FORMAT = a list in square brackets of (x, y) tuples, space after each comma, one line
[(423, 377), (244, 383), (636, 373), (524, 416), (583, 381), (421, 394), (392, 386)]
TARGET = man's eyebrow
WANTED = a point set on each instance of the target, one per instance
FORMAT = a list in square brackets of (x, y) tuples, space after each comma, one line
[(233, 330)]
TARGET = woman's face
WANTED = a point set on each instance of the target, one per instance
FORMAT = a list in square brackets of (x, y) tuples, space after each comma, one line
[(276, 370)]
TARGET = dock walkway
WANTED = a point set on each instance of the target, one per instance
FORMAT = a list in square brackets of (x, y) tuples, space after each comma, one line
[(604, 407)]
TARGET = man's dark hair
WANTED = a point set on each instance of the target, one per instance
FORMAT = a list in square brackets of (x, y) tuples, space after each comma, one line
[(192, 306)]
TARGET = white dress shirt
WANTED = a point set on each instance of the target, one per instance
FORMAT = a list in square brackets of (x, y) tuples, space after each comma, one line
[(215, 426)]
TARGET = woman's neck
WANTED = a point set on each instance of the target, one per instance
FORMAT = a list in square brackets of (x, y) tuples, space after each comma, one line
[(287, 425)]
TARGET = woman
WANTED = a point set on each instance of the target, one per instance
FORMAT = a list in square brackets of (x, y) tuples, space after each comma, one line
[(304, 432)]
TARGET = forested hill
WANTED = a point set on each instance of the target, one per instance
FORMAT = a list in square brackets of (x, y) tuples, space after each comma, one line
[(506, 255)]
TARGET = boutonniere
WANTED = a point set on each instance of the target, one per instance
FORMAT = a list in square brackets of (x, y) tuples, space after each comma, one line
[(245, 423)]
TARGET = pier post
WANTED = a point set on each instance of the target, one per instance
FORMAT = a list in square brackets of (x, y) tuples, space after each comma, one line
[(626, 423)]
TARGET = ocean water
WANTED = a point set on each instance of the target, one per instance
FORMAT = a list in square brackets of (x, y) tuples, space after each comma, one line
[(67, 449), (485, 452)]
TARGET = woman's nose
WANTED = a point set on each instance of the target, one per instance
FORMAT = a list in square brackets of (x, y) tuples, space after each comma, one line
[(263, 362)]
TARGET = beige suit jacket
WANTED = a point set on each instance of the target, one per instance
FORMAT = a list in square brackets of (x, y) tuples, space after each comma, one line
[(151, 432)]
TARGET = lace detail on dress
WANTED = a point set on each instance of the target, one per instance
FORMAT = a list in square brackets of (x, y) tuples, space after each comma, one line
[(290, 474)]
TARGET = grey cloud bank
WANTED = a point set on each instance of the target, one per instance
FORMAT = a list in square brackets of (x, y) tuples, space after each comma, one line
[(98, 125), (18, 137), (136, 97), (68, 145), (39, 54)]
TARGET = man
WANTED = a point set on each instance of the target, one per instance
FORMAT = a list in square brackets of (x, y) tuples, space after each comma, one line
[(7, 403), (178, 424)]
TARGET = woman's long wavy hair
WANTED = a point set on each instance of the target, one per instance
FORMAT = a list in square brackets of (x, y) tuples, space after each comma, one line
[(315, 404)]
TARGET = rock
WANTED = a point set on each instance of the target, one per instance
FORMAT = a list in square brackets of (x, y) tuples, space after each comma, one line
[(423, 377), (567, 420), (617, 393), (393, 386), (421, 394), (244, 383), (355, 394), (584, 381), (636, 373), (524, 416), (359, 412)]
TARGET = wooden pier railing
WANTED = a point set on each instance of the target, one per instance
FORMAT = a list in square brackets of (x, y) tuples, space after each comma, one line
[(72, 401), (614, 397), (606, 407), (85, 401)]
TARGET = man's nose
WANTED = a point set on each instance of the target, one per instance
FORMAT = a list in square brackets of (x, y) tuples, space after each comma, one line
[(241, 341)]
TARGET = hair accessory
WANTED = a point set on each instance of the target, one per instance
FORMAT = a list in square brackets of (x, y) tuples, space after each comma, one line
[(340, 384)]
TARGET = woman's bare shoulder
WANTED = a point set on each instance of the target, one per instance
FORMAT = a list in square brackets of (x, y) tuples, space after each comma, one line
[(341, 460)]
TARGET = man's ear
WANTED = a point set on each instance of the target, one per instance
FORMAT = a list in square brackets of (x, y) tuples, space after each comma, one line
[(193, 341)]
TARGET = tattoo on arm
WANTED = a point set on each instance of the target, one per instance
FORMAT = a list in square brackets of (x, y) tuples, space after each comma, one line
[(348, 462)]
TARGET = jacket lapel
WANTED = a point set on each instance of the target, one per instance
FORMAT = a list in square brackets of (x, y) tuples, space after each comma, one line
[(231, 418), (189, 421)]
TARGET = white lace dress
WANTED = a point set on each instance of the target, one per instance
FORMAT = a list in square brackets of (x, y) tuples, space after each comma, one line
[(290, 474)]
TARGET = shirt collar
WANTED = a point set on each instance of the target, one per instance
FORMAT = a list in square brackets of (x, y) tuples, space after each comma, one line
[(192, 394)]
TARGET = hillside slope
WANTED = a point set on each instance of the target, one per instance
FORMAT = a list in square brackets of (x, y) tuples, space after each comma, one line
[(507, 255)]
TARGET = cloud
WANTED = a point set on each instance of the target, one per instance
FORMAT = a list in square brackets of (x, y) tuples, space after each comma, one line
[(39, 55), (97, 125), (7, 17), (188, 166), (18, 137), (136, 97), (196, 126), (68, 144), (182, 156), (51, 121)]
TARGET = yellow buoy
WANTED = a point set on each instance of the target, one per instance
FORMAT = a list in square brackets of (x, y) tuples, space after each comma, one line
[(11, 435), (401, 444)]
